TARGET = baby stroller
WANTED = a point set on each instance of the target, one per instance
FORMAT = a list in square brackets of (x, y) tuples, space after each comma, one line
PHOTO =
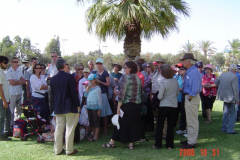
[(30, 109)]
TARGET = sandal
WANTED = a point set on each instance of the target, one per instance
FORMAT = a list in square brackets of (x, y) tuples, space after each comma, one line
[(91, 139), (108, 145)]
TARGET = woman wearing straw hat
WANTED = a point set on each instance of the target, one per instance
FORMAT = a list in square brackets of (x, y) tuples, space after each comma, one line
[(116, 68), (209, 90)]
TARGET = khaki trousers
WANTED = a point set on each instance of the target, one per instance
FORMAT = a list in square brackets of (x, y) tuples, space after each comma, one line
[(191, 109), (68, 121), (15, 108)]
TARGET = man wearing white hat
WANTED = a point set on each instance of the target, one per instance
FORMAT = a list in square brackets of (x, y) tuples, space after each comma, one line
[(228, 92)]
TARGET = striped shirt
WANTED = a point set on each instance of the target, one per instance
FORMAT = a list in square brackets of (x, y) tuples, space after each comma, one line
[(130, 89)]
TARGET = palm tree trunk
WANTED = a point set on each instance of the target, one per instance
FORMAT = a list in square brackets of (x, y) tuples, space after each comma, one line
[(132, 41)]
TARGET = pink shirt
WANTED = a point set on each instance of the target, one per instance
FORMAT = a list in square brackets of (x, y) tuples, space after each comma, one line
[(210, 80)]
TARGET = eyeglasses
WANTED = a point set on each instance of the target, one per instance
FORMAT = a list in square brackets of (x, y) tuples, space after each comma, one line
[(80, 69), (15, 61), (54, 56), (98, 63), (66, 64)]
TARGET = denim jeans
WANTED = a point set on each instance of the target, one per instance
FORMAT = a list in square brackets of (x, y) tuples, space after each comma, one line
[(229, 117), (4, 119)]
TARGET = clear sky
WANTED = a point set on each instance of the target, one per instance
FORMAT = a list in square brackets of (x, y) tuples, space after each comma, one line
[(40, 20)]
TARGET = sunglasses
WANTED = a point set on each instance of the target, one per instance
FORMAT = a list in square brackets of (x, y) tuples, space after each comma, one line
[(54, 56), (98, 63), (80, 69), (5, 62), (43, 68), (15, 61), (148, 67), (66, 64), (38, 68)]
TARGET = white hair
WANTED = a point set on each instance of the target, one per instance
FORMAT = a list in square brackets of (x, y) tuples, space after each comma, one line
[(89, 61), (105, 67)]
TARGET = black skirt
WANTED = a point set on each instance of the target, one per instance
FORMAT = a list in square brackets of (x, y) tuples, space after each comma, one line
[(130, 127)]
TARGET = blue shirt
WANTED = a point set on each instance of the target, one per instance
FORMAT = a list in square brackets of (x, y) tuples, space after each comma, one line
[(180, 84), (238, 75), (192, 81)]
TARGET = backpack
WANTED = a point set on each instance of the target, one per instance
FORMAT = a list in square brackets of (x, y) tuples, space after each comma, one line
[(19, 128)]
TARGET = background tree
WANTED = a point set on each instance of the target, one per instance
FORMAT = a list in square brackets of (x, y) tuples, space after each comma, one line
[(133, 19), (53, 46), (218, 60), (205, 47), (234, 46), (7, 48)]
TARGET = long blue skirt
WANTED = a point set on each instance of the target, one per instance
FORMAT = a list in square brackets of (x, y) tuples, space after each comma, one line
[(106, 110)]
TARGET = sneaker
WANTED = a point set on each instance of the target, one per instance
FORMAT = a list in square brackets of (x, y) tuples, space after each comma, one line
[(185, 135), (5, 139), (181, 132)]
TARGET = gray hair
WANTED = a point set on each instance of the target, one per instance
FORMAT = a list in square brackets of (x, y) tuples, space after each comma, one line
[(192, 61), (90, 61), (75, 65), (105, 68), (60, 63)]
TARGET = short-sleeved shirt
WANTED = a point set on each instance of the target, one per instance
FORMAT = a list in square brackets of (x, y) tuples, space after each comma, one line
[(102, 78), (14, 75), (210, 80), (27, 76), (116, 75), (3, 82), (36, 84), (52, 70)]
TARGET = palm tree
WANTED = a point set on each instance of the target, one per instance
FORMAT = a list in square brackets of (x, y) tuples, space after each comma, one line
[(134, 19), (188, 48), (234, 47), (205, 47)]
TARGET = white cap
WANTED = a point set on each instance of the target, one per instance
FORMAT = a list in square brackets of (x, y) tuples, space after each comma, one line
[(115, 121)]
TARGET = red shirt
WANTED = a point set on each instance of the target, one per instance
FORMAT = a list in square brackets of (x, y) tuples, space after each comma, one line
[(209, 80), (141, 76)]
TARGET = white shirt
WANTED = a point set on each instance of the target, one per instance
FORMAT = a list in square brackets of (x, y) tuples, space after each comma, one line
[(52, 70), (14, 75), (3, 82), (81, 88), (36, 84), (27, 76), (157, 78)]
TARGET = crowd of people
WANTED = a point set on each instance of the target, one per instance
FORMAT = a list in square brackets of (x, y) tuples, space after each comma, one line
[(138, 91)]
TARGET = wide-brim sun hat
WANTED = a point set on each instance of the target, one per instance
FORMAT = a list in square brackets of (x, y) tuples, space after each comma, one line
[(188, 56), (209, 66), (119, 66), (99, 60), (160, 59), (233, 66), (115, 121), (92, 77), (139, 58)]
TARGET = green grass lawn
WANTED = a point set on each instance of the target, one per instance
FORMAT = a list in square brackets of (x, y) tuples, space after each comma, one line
[(210, 139)]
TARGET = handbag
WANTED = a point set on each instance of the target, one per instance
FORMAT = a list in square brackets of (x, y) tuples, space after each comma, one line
[(155, 101)]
